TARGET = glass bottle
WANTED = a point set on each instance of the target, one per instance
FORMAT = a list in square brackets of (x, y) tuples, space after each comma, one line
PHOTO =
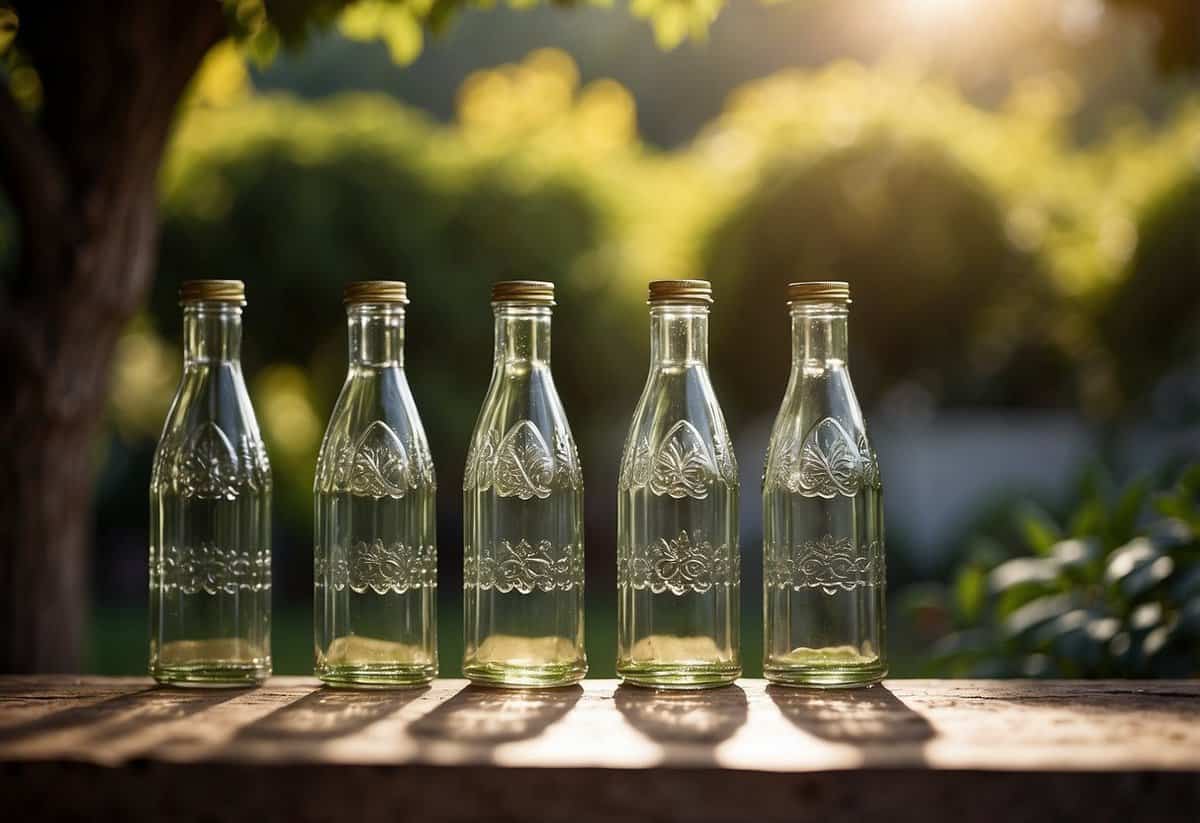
[(210, 509), (523, 511), (678, 566), (375, 556), (823, 544)]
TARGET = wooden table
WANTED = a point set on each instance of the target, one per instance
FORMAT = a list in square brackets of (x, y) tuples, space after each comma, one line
[(910, 750)]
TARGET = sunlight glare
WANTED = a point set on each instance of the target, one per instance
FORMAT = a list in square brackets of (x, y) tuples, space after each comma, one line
[(937, 13)]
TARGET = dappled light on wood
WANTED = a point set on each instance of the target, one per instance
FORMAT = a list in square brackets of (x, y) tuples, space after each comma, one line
[(911, 725)]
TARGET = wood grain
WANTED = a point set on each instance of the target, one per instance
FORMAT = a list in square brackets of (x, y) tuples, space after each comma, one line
[(982, 749)]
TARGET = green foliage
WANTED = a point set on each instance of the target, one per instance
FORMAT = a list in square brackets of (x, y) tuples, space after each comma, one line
[(398, 23), (1178, 21), (919, 238), (1148, 321), (984, 247), (675, 20), (1117, 596)]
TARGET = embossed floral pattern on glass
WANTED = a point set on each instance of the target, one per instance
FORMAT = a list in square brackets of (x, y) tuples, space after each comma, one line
[(687, 562), (375, 556), (523, 518), (823, 555), (210, 503), (678, 569)]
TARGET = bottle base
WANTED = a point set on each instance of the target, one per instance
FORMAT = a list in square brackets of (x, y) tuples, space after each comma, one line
[(826, 677), (377, 677), (682, 676), (215, 675), (523, 676)]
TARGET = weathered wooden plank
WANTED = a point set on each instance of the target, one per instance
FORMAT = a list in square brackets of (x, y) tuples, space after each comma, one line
[(908, 725), (912, 750)]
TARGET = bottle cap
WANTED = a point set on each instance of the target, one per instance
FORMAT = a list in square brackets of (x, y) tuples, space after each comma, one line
[(376, 291), (537, 292), (218, 291), (819, 291), (695, 292)]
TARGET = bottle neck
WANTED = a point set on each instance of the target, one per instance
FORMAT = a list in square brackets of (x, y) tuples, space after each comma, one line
[(819, 334), (522, 334), (679, 335), (376, 334), (212, 332)]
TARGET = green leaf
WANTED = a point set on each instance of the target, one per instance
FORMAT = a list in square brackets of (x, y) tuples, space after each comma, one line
[(1130, 557), (396, 25), (1148, 577), (1138, 566), (1103, 629), (970, 591), (1096, 486), (1039, 530), (675, 20), (1183, 502), (1146, 617), (1075, 554), (1158, 640), (1124, 519), (1022, 571), (1088, 519), (1037, 613), (1189, 481)]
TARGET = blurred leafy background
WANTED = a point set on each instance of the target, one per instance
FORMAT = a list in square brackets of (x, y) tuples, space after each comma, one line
[(1012, 189)]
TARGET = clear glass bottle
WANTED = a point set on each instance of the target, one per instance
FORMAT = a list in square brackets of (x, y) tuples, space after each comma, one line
[(523, 511), (823, 544), (678, 564), (375, 555), (210, 509)]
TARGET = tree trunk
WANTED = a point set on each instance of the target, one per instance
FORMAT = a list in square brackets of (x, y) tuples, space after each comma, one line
[(81, 177)]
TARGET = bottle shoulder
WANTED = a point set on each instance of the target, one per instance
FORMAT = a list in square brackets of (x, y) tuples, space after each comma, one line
[(375, 444), (211, 446), (678, 444), (368, 399), (522, 446), (820, 447)]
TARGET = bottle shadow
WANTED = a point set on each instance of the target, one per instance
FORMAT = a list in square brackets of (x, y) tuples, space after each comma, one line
[(327, 714), (116, 717), (869, 715), (478, 714), (702, 717)]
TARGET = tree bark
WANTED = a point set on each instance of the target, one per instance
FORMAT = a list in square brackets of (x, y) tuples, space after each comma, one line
[(81, 177)]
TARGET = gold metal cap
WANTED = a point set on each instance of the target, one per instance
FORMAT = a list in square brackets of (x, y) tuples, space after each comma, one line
[(698, 292), (539, 292), (220, 291), (376, 291), (819, 291)]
